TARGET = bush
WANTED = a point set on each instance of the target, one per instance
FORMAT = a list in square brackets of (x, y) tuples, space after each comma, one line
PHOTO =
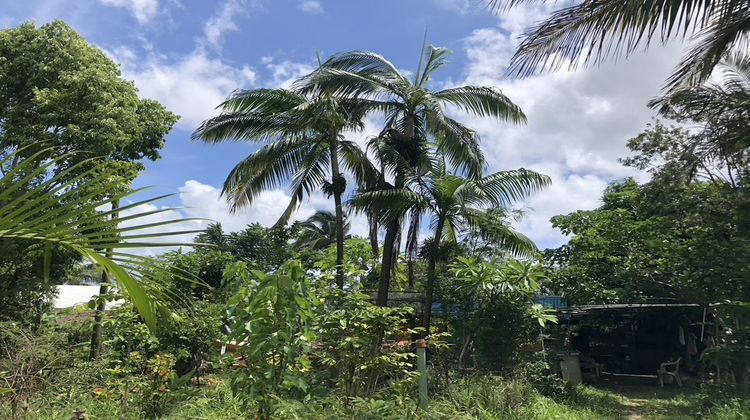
[(350, 330), (271, 315), (539, 371)]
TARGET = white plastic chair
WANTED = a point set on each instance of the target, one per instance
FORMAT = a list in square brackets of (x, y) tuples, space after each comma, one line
[(670, 369)]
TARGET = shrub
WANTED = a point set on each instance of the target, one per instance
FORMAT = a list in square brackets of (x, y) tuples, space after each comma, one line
[(539, 371), (350, 331), (271, 320)]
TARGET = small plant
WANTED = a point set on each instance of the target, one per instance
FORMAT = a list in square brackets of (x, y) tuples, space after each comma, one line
[(271, 316)]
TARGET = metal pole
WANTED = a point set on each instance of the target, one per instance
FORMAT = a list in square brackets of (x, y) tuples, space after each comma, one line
[(422, 368), (703, 323)]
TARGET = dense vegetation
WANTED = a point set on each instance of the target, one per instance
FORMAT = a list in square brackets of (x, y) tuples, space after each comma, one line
[(322, 324)]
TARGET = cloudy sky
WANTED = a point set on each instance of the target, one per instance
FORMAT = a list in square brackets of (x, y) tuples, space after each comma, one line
[(189, 54)]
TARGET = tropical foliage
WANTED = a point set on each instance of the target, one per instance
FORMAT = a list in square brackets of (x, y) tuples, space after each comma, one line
[(305, 319), (61, 211), (590, 32), (416, 126)]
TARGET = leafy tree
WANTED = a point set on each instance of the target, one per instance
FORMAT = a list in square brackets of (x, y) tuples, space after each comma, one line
[(347, 327), (213, 235), (490, 302), (415, 121), (592, 31), (273, 316), (262, 248), (683, 235), (659, 240), (457, 204), (303, 137), (58, 90), (63, 99)]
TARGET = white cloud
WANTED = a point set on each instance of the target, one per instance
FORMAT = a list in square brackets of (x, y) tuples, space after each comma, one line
[(311, 7), (166, 215), (142, 10), (203, 200), (578, 121), (459, 6), (285, 72), (225, 21), (191, 86)]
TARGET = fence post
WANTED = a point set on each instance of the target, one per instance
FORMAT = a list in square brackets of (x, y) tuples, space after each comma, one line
[(422, 368)]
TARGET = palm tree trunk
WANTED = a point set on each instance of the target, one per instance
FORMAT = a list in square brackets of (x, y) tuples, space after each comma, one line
[(373, 224), (338, 184), (386, 268), (432, 276), (46, 271), (96, 334)]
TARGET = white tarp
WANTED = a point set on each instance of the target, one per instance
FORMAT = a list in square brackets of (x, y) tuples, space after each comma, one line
[(69, 296)]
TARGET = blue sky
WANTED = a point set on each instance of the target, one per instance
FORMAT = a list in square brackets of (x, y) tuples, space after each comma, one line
[(190, 54)]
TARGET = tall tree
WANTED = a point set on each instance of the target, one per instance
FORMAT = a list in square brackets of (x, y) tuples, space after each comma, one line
[(58, 90), (594, 30), (683, 235), (303, 136), (458, 204), (319, 231), (63, 99), (415, 121)]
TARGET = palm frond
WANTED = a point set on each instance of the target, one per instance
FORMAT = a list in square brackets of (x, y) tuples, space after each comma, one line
[(262, 101), (593, 31), (503, 235), (433, 58), (458, 143), (713, 44), (267, 168), (310, 176), (506, 187), (389, 204), (365, 62), (72, 219), (484, 102)]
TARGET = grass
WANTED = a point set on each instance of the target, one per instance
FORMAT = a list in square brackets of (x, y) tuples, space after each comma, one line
[(480, 397)]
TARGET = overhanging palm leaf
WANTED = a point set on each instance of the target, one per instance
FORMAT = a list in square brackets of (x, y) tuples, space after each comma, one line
[(66, 212), (593, 31)]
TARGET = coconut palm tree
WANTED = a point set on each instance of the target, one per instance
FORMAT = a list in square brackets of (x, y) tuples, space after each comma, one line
[(722, 107), (595, 30), (415, 120), (303, 143), (457, 204), (319, 231), (65, 210)]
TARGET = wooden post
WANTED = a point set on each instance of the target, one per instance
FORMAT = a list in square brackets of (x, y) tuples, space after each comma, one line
[(422, 368)]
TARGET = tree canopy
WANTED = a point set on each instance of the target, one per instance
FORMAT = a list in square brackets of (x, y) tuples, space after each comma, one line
[(58, 90)]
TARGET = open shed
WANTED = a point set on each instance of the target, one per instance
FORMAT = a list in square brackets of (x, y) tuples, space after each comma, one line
[(634, 339)]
